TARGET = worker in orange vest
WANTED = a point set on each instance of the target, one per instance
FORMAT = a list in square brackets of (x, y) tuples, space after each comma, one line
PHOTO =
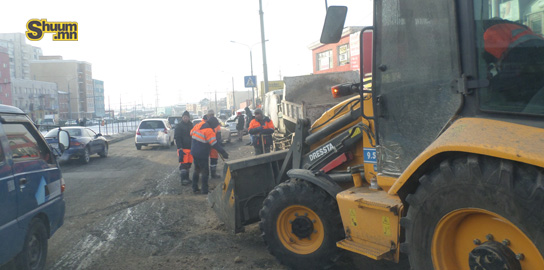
[(261, 129), (214, 156), (203, 140)]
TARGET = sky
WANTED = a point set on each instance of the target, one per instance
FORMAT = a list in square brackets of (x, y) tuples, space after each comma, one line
[(182, 50)]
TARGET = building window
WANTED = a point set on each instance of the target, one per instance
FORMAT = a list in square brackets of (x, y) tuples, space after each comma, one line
[(324, 60), (343, 54)]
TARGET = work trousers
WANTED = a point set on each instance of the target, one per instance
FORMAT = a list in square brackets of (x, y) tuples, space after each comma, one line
[(213, 167), (201, 168), (184, 169), (259, 149)]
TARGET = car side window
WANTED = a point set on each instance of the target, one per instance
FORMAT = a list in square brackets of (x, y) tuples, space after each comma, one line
[(91, 133), (25, 143)]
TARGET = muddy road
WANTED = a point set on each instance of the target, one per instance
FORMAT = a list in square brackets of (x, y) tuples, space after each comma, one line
[(129, 211)]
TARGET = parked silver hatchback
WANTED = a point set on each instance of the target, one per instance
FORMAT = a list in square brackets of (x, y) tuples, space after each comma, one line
[(154, 131)]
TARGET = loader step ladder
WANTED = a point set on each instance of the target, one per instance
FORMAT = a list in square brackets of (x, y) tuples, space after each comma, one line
[(371, 222), (369, 249)]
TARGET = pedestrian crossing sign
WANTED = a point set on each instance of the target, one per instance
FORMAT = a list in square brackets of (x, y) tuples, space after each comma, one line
[(250, 81)]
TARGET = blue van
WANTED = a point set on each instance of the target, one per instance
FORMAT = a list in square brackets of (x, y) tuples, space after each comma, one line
[(31, 190)]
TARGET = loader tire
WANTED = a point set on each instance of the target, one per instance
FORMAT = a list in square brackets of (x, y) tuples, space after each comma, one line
[(300, 225), (476, 212)]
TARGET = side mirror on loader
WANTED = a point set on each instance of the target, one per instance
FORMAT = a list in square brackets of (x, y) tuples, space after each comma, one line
[(334, 24)]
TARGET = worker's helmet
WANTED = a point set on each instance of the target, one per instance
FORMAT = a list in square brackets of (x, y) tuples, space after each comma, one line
[(239, 113), (258, 111)]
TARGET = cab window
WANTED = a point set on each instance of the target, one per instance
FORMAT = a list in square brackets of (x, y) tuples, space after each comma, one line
[(511, 55), (25, 143)]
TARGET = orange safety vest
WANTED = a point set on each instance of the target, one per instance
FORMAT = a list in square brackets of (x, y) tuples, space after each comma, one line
[(202, 140), (213, 152), (503, 36), (255, 124), (267, 125)]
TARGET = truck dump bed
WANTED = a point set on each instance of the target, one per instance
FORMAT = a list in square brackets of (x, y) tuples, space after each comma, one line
[(309, 96)]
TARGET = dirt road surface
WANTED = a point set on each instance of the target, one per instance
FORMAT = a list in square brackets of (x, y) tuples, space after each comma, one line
[(129, 211)]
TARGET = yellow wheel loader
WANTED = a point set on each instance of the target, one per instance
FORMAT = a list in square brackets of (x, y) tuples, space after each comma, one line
[(442, 158)]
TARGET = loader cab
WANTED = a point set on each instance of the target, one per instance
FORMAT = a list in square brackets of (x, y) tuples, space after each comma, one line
[(434, 63), (458, 101)]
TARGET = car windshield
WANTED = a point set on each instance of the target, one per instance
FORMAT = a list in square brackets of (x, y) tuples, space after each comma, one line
[(152, 125), (73, 133), (52, 133)]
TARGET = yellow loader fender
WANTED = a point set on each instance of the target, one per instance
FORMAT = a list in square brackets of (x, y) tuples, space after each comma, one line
[(485, 137)]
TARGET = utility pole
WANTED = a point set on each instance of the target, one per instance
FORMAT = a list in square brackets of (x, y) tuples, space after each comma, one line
[(251, 63), (216, 109), (70, 102), (265, 70), (156, 96), (233, 96)]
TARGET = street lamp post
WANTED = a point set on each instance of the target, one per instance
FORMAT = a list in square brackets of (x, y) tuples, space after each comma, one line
[(251, 63), (263, 41)]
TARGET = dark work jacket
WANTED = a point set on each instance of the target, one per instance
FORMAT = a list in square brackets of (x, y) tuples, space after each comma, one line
[(240, 123), (183, 135)]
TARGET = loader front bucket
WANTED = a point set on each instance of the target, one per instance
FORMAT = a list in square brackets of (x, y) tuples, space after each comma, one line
[(246, 184)]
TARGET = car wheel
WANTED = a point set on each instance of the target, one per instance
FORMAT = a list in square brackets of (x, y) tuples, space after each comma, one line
[(105, 152), (138, 147), (86, 157), (34, 250)]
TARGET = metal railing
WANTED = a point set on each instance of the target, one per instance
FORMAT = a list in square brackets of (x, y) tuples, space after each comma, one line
[(104, 127)]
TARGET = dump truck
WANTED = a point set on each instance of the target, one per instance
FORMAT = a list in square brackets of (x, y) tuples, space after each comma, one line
[(302, 97), (442, 161)]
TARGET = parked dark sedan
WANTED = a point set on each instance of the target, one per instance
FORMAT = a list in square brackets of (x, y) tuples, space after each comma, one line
[(84, 142)]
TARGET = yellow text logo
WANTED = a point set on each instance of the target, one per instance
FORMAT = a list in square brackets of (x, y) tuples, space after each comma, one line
[(61, 30)]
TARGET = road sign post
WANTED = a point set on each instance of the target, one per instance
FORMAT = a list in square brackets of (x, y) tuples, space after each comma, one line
[(251, 81)]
